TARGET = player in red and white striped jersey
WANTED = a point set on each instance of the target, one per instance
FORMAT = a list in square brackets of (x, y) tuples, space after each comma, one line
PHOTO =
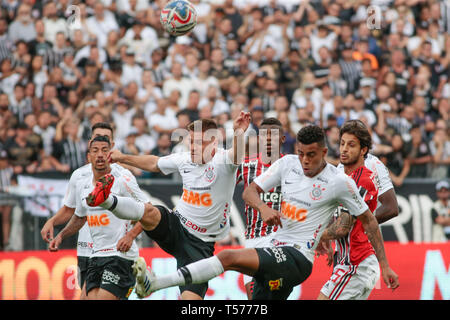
[(356, 270), (257, 232)]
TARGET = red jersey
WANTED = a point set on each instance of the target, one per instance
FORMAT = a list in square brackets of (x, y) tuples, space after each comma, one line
[(251, 168), (355, 247)]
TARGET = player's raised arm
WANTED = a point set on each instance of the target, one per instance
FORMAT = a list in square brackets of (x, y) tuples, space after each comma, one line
[(240, 125), (144, 162)]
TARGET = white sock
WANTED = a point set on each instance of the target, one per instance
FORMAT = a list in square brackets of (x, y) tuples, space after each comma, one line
[(124, 207), (196, 272)]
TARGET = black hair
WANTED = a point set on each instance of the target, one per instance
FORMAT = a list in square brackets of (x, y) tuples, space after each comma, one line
[(311, 134), (103, 125), (360, 131), (100, 139), (271, 122)]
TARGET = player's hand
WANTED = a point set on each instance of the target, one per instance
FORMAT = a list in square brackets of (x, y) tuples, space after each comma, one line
[(271, 217), (390, 278), (54, 244), (47, 231), (242, 121), (115, 156), (324, 247), (124, 244)]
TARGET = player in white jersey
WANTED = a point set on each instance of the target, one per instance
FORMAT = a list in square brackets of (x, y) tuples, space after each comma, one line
[(109, 275), (311, 190), (387, 207), (63, 215), (201, 217)]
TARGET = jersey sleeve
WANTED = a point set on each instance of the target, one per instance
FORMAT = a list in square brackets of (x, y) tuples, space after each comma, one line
[(131, 188), (384, 180), (367, 189), (348, 195), (170, 164), (272, 177), (80, 210), (70, 199)]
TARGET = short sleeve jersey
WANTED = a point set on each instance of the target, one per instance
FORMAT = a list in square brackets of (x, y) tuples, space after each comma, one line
[(105, 228), (208, 190), (308, 203)]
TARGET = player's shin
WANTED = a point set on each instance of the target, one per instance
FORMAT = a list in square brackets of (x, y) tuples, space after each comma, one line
[(197, 272), (124, 207)]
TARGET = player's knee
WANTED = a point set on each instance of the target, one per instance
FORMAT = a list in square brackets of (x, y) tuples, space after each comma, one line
[(151, 217), (228, 258)]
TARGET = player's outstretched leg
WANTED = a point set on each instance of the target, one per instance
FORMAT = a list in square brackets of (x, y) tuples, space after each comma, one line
[(122, 207)]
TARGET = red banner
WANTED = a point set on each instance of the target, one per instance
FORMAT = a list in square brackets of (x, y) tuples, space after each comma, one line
[(423, 269)]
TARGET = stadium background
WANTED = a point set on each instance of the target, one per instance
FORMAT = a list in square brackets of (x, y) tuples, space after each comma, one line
[(39, 81)]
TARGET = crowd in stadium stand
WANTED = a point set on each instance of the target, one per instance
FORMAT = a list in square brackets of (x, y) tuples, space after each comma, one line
[(65, 65)]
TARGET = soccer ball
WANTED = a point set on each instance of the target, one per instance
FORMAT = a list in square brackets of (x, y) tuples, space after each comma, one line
[(178, 17)]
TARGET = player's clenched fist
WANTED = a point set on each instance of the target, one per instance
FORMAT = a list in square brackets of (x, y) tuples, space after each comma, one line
[(271, 217), (115, 156)]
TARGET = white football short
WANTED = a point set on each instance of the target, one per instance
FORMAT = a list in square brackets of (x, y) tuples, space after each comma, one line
[(353, 282)]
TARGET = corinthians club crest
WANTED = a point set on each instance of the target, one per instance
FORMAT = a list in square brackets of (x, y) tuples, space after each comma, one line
[(210, 175), (316, 193)]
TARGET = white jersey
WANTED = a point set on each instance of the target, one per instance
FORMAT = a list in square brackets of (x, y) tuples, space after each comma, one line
[(308, 203), (208, 190), (382, 178), (84, 242), (105, 228)]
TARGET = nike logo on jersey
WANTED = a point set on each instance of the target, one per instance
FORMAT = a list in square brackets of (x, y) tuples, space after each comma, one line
[(186, 171)]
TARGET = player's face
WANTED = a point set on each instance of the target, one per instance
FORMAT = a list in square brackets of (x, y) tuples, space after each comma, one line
[(98, 155), (203, 146), (350, 150), (312, 157), (270, 140)]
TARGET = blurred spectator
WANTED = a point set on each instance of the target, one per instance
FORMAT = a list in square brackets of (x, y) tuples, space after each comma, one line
[(101, 22), (6, 180), (419, 154), (396, 161), (333, 144), (22, 28), (441, 212), (144, 141), (162, 148), (68, 149), (440, 151), (23, 150), (129, 146), (289, 143), (53, 24)]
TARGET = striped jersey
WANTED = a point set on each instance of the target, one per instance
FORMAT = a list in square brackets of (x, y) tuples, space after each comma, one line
[(355, 247), (252, 167)]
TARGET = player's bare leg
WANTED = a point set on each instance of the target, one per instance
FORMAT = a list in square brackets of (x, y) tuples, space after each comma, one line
[(241, 260), (100, 294), (322, 297)]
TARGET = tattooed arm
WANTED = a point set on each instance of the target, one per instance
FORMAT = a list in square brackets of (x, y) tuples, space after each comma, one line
[(339, 228)]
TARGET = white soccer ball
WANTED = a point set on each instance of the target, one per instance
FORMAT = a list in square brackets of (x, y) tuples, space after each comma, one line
[(178, 17)]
